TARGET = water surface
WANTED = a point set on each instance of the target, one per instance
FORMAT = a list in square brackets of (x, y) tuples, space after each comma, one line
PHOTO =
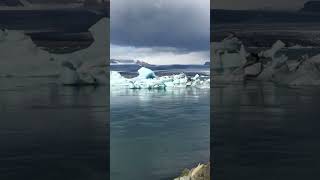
[(264, 131), (49, 131), (155, 134)]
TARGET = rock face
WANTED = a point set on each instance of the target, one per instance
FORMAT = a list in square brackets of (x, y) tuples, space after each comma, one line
[(201, 172)]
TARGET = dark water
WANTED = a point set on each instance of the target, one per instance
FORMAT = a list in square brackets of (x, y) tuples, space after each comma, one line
[(51, 132), (155, 134), (263, 131)]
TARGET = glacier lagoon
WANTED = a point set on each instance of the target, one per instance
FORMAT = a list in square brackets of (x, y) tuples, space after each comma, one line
[(157, 132)]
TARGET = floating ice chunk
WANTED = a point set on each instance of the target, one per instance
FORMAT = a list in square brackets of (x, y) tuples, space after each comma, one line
[(146, 73), (228, 54), (147, 84), (21, 57), (71, 76), (228, 44), (273, 50), (254, 70), (304, 73), (173, 81), (90, 63)]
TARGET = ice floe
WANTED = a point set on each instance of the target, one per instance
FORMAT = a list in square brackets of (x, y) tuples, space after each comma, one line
[(148, 80), (267, 65)]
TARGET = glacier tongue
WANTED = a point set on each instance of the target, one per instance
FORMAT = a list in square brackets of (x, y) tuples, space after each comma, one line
[(144, 81)]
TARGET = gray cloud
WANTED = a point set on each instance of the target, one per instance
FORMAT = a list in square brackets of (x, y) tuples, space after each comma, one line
[(183, 24)]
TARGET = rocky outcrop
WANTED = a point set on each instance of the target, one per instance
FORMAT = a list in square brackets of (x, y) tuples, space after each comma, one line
[(201, 172)]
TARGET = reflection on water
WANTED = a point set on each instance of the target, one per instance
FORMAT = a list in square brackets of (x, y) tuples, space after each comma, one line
[(263, 131), (50, 132), (155, 134)]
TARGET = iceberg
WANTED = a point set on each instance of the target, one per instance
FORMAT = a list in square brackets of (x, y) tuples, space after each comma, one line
[(303, 73), (250, 66), (146, 73), (89, 66), (270, 53), (228, 54), (267, 65), (21, 57), (148, 80)]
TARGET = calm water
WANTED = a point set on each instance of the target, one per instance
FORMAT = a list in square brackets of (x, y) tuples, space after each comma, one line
[(263, 131), (155, 134), (50, 132)]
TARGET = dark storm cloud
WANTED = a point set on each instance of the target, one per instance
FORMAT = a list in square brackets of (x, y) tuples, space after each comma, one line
[(55, 1), (182, 24), (258, 4)]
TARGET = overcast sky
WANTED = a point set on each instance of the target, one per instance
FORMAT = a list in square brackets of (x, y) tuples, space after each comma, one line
[(161, 31)]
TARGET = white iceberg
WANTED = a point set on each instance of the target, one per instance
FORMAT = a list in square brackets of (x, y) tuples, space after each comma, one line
[(88, 65), (246, 66), (148, 80), (229, 53), (146, 73), (21, 57), (270, 53)]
